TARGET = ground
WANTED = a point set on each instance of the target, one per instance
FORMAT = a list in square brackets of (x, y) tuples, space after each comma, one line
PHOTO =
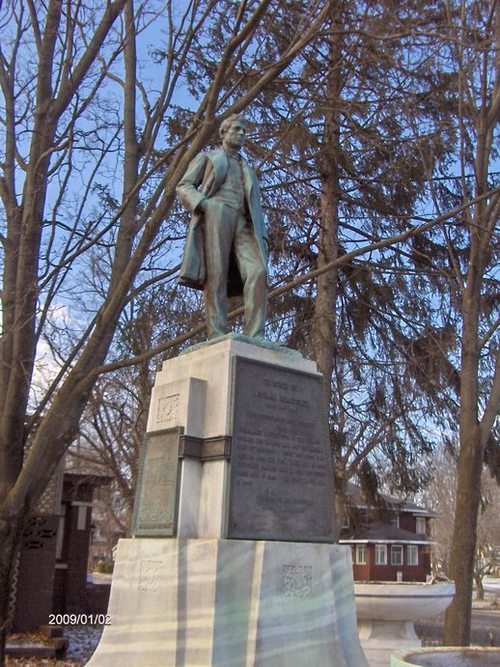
[(485, 620), (82, 642)]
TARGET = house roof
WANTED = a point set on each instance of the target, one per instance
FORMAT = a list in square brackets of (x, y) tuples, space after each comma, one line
[(384, 533), (356, 495)]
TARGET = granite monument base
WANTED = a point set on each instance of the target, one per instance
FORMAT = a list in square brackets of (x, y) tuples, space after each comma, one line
[(232, 562), (230, 603)]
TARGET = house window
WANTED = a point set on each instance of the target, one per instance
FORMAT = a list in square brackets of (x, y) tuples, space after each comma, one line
[(396, 554), (360, 554), (412, 554), (380, 554), (421, 525), (395, 521)]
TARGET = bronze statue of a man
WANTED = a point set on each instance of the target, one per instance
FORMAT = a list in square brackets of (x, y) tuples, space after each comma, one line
[(226, 248)]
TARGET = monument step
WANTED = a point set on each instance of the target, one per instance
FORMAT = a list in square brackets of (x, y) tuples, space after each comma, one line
[(230, 603)]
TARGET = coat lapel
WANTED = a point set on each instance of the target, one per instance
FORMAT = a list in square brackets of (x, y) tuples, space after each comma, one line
[(220, 164)]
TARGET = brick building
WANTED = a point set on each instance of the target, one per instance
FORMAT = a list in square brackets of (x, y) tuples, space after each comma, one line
[(390, 542)]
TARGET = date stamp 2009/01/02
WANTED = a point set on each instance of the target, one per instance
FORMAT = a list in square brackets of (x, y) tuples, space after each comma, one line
[(79, 619)]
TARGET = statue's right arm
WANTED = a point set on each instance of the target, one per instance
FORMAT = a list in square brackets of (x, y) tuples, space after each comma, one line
[(187, 190)]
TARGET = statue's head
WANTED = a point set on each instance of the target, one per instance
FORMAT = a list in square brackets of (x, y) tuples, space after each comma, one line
[(227, 122), (233, 131)]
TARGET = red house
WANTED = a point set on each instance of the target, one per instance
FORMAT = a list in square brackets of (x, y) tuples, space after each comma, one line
[(390, 542)]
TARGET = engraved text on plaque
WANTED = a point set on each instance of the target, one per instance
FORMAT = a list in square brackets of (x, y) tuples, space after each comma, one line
[(156, 502), (281, 471)]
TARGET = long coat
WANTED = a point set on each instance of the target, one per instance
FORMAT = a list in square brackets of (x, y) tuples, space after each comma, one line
[(203, 178)]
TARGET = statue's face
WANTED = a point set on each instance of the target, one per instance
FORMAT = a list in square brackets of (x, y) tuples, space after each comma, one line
[(234, 136)]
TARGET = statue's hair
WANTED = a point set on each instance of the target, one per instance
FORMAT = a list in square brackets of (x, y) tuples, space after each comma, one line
[(226, 123)]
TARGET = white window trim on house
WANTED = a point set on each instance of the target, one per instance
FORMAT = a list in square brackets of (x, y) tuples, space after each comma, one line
[(60, 531), (381, 554), (82, 517), (412, 554), (360, 554), (397, 549), (421, 523)]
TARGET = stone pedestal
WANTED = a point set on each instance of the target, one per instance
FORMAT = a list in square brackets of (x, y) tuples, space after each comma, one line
[(380, 639), (230, 603), (232, 561)]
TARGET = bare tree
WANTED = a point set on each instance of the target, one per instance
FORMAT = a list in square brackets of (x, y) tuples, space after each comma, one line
[(442, 287), (356, 157), (474, 45), (440, 496), (59, 75)]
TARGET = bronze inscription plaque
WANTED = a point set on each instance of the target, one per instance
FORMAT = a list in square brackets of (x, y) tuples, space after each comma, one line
[(281, 472), (155, 511)]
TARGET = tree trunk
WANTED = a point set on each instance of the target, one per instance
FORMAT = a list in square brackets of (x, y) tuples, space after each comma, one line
[(325, 310), (130, 197), (326, 297), (470, 462), (458, 614), (11, 532)]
